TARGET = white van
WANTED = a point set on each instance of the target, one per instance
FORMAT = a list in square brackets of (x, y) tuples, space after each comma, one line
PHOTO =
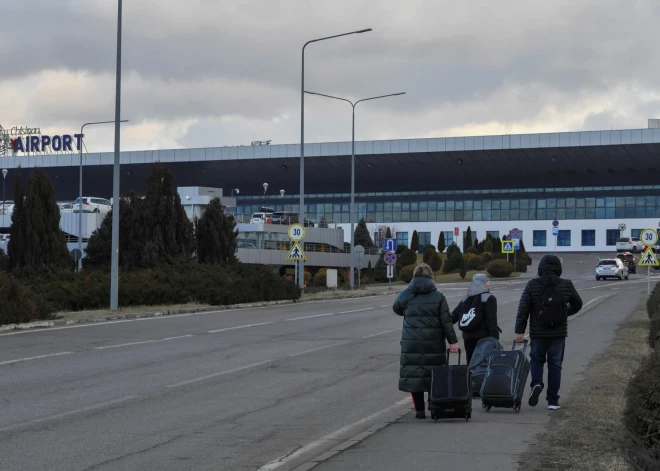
[(262, 218)]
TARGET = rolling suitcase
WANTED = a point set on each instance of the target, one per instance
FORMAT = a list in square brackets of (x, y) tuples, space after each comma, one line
[(479, 363), (505, 379), (451, 391)]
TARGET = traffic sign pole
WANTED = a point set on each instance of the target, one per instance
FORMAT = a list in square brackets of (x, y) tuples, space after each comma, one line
[(649, 238)]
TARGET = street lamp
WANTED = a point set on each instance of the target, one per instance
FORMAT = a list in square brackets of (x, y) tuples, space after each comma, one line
[(4, 177), (301, 277), (282, 193), (80, 184), (352, 209), (235, 190), (265, 189)]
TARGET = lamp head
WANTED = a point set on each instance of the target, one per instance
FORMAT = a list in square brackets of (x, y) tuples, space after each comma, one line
[(282, 193), (4, 172), (265, 186)]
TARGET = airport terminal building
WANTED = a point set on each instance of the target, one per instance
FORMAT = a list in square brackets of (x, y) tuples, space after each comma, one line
[(591, 183)]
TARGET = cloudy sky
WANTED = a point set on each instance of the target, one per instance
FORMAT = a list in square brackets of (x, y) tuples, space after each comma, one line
[(202, 73)]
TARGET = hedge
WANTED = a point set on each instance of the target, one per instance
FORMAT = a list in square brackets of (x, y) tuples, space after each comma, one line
[(475, 263), (406, 273), (499, 269)]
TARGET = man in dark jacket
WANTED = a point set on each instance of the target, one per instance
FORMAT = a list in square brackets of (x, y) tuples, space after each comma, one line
[(476, 314), (547, 341), (426, 325)]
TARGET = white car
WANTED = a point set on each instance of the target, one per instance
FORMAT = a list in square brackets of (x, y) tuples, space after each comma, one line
[(629, 244), (66, 208), (262, 218), (6, 207), (611, 268), (92, 205)]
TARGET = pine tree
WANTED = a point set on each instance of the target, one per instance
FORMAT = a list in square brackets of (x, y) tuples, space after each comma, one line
[(467, 239), (442, 245), (16, 244), (388, 233), (362, 236), (380, 271), (462, 268), (45, 244), (475, 244), (414, 243), (215, 235), (370, 271)]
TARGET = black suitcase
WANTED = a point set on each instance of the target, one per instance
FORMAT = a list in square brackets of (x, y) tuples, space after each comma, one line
[(451, 391), (479, 363), (505, 379)]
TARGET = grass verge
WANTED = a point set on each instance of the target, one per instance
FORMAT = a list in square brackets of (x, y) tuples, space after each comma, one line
[(591, 436)]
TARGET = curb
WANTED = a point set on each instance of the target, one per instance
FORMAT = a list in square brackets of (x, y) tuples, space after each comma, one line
[(143, 315)]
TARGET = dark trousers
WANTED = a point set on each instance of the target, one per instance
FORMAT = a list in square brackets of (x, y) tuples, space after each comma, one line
[(418, 400), (552, 351), (469, 345)]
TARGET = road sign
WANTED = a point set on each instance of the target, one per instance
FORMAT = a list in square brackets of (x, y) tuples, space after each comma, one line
[(390, 258), (649, 237), (555, 231), (648, 259), (390, 271), (296, 252), (297, 232), (456, 231), (555, 223), (507, 246), (516, 244), (389, 245), (515, 233), (358, 251)]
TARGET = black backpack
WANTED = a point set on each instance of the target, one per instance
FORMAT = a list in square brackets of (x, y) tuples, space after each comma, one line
[(551, 308), (472, 315)]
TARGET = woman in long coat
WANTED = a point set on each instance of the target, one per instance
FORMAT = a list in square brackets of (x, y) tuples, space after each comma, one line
[(427, 324)]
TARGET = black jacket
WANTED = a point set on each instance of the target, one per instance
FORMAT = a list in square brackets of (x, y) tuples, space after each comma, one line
[(549, 268), (426, 325), (488, 327)]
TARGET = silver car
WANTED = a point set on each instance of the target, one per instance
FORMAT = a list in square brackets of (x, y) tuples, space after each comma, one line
[(611, 268)]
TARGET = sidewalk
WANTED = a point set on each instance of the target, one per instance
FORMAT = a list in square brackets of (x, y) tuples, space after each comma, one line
[(490, 440)]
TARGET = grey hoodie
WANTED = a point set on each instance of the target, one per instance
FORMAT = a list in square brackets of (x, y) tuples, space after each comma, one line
[(489, 327), (478, 286)]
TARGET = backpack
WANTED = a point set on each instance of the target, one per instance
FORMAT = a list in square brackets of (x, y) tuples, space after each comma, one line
[(472, 315), (551, 308)]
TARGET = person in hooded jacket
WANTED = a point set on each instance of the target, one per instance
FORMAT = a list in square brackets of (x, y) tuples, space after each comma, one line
[(547, 342), (476, 314), (426, 326)]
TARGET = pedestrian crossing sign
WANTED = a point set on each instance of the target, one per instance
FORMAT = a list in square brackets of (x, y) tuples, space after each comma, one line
[(648, 259), (296, 253), (507, 246)]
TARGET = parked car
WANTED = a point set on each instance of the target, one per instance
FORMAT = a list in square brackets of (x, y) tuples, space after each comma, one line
[(5, 207), (611, 268), (628, 260), (629, 244), (245, 245), (92, 205), (66, 207), (285, 217), (262, 218)]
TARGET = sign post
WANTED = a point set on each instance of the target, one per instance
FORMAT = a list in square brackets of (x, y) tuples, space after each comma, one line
[(297, 233), (358, 251), (555, 232), (649, 238), (390, 260)]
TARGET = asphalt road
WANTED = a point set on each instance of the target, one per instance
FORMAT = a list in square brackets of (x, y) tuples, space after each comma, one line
[(266, 388)]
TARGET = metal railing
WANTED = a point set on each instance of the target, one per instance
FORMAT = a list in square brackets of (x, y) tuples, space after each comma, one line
[(307, 247)]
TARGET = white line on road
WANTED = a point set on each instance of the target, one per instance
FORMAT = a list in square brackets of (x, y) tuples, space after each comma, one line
[(356, 310), (328, 438), (66, 414), (311, 350), (34, 358), (311, 317), (221, 373), (142, 342), (381, 333), (237, 327), (385, 305)]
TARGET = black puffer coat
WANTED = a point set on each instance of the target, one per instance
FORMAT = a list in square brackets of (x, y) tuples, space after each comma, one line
[(426, 325), (549, 269)]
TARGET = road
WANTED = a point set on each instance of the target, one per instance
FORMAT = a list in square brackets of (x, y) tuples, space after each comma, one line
[(265, 388)]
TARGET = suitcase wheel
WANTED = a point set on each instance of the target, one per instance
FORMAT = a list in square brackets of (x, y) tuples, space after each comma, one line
[(486, 407), (516, 407), (434, 416)]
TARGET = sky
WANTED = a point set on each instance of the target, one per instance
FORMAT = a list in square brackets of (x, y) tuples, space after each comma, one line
[(204, 73)]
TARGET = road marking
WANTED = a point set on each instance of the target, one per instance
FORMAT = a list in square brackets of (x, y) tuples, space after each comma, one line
[(381, 333), (142, 342), (34, 358), (221, 373), (237, 327), (621, 283), (331, 437), (311, 317), (356, 310), (311, 350), (67, 414), (385, 305), (588, 307)]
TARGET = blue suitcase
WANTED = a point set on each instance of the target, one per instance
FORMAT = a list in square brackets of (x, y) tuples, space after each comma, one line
[(505, 379)]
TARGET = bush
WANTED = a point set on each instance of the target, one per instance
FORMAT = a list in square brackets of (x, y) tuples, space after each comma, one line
[(453, 263), (642, 414), (429, 251), (407, 257), (472, 250), (474, 262), (321, 278), (406, 273), (653, 303), (462, 269), (452, 249), (400, 249), (308, 278), (435, 263), (654, 332), (17, 305), (487, 256), (4, 261), (499, 269)]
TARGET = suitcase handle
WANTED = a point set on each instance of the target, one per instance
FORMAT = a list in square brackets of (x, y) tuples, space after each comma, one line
[(513, 347), (459, 356)]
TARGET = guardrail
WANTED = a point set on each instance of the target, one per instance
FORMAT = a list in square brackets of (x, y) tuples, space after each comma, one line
[(310, 247), (322, 223)]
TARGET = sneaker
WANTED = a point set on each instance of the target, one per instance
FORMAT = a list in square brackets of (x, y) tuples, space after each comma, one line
[(420, 414), (554, 407), (534, 395)]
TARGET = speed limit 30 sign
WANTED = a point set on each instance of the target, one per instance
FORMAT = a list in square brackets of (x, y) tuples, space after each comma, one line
[(296, 232), (649, 237)]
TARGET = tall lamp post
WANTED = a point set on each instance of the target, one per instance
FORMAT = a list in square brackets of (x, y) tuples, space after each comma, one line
[(352, 214), (301, 277), (265, 189), (4, 177), (80, 184)]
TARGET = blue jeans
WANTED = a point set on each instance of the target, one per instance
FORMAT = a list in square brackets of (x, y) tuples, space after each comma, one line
[(553, 351)]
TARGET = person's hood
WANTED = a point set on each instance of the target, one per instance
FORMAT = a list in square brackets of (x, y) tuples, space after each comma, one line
[(550, 265), (422, 285), (478, 286)]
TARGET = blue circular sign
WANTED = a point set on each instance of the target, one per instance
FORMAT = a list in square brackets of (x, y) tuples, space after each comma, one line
[(555, 223), (390, 258)]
